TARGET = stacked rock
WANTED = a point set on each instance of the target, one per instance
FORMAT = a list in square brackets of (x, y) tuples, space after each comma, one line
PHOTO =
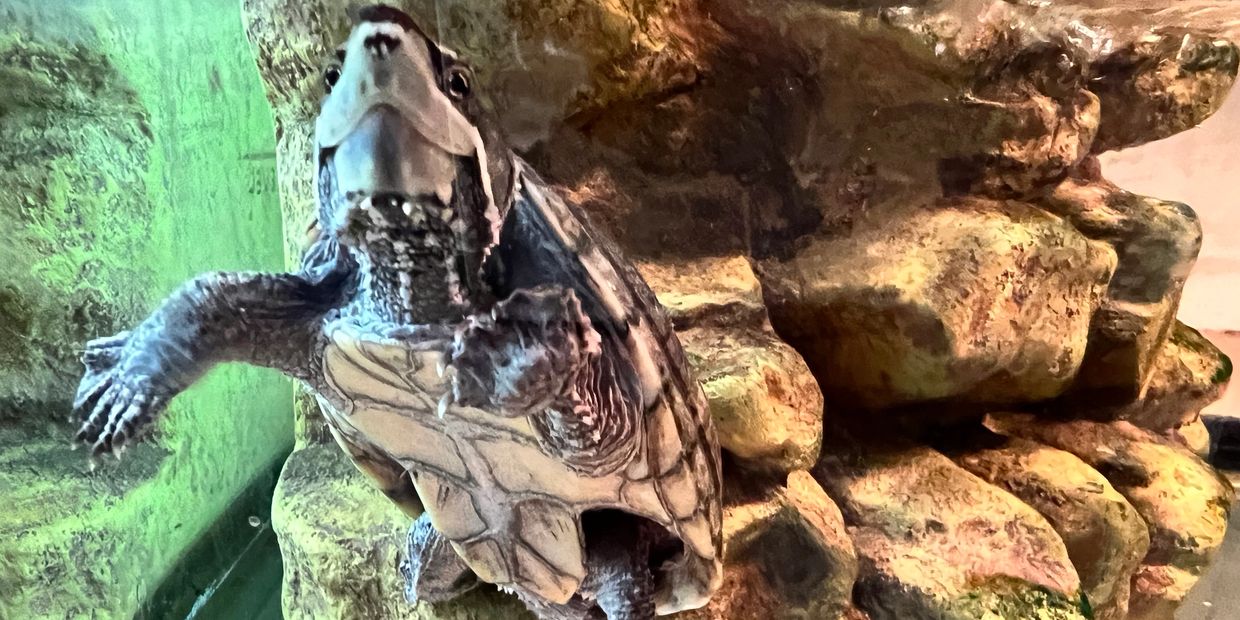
[(941, 349)]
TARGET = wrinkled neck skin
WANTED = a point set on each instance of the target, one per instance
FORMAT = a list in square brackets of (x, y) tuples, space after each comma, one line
[(403, 296), (428, 272)]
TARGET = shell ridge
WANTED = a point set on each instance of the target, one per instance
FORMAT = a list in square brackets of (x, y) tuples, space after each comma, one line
[(645, 309)]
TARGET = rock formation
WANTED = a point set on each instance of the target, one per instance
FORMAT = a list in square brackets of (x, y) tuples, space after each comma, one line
[(875, 225), (1104, 535)]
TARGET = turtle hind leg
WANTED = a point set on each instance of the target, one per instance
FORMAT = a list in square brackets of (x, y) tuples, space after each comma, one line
[(618, 547), (432, 569)]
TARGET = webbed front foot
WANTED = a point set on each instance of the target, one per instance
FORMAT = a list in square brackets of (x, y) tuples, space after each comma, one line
[(526, 354), (114, 402)]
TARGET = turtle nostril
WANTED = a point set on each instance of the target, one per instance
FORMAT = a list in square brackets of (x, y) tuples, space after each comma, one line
[(381, 44)]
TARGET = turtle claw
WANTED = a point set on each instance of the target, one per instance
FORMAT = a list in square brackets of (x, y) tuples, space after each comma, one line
[(104, 352), (112, 403), (524, 354), (444, 402), (122, 413), (117, 340)]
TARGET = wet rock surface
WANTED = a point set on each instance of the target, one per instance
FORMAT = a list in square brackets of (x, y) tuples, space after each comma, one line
[(768, 409), (1159, 590), (1188, 374), (1156, 242), (1183, 501), (857, 215), (909, 312)]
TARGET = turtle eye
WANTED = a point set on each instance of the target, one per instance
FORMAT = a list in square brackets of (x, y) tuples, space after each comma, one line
[(330, 76), (457, 83)]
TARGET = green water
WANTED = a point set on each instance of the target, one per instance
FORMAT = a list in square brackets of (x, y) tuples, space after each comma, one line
[(136, 151), (233, 572), (249, 589)]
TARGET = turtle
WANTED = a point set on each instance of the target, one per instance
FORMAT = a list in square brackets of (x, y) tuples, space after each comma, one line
[(481, 350)]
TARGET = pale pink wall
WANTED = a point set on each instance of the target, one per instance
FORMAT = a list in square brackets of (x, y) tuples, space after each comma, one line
[(1200, 167)]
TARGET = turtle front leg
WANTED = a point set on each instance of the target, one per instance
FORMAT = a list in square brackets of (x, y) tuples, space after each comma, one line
[(526, 355), (538, 355), (432, 569), (264, 319)]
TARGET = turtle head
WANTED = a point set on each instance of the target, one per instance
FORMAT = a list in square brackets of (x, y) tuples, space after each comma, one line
[(411, 174)]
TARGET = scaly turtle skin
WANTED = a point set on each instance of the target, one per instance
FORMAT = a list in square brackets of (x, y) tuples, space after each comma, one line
[(480, 350)]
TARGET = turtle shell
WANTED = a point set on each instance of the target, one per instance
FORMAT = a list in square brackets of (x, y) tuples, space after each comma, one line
[(511, 508)]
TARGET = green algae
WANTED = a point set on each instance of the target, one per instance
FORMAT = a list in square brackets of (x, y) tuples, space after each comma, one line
[(340, 539), (1192, 340), (1003, 599), (134, 142), (76, 141)]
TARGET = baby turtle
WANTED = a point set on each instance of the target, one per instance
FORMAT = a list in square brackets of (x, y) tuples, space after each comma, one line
[(481, 351)]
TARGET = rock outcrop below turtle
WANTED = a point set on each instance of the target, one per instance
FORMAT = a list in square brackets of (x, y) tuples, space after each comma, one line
[(340, 539), (950, 545), (1184, 502), (767, 407)]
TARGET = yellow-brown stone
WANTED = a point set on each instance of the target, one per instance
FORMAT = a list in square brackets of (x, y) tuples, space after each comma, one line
[(1104, 535)]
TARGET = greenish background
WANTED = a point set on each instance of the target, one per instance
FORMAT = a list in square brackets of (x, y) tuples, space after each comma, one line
[(136, 150)]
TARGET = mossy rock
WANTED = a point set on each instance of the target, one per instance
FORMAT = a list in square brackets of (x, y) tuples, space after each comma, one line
[(76, 142), (132, 156), (341, 540), (77, 543)]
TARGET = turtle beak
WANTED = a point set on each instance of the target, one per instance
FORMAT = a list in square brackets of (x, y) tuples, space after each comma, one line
[(385, 157), (390, 135), (391, 143)]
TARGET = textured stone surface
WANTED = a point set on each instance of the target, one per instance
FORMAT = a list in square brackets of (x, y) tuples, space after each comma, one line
[(1184, 502), (663, 112), (710, 291), (935, 541), (909, 311), (1188, 374), (340, 539), (1195, 436), (134, 152), (788, 557), (1159, 590), (1182, 499), (1156, 242), (1160, 85), (767, 407), (1105, 537)]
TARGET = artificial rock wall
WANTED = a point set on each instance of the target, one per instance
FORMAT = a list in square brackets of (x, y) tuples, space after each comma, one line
[(941, 348), (135, 152)]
